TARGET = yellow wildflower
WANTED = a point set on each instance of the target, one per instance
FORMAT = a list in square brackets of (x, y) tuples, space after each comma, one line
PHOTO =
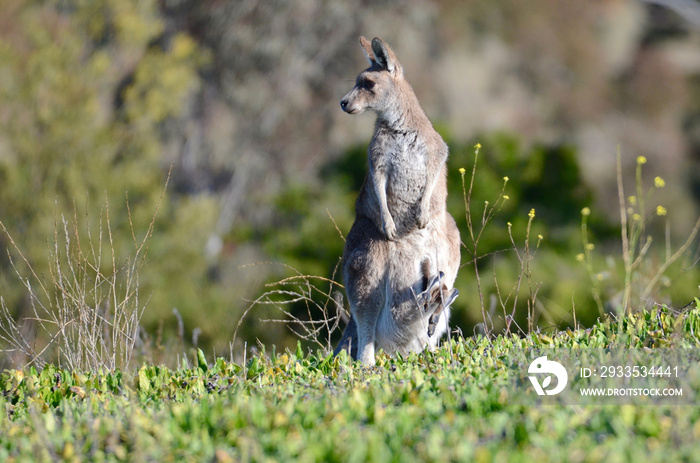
[(659, 182), (462, 170), (632, 200), (580, 257), (590, 246), (585, 211), (531, 214), (477, 146), (660, 210), (641, 160)]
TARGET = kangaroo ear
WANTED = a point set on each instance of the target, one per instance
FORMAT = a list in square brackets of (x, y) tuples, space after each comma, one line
[(385, 57), (367, 48)]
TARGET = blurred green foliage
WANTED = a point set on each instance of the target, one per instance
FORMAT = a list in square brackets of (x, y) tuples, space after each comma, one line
[(85, 91)]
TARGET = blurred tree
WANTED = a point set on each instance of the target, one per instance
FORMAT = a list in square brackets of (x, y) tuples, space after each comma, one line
[(87, 88)]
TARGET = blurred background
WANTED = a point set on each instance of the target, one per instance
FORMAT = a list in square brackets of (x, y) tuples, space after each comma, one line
[(100, 99)]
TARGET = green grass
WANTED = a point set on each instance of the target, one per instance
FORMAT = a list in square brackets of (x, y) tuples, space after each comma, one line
[(312, 407)]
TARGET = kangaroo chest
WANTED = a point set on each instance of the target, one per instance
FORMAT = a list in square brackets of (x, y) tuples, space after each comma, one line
[(402, 158)]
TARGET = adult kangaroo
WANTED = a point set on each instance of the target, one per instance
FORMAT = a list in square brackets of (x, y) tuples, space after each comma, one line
[(402, 254)]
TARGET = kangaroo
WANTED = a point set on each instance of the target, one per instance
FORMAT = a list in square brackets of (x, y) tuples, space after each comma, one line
[(402, 253), (406, 155)]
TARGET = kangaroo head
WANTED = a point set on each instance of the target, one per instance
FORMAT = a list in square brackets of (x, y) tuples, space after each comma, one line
[(380, 86)]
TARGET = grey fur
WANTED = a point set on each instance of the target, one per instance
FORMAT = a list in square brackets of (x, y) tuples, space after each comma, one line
[(402, 254)]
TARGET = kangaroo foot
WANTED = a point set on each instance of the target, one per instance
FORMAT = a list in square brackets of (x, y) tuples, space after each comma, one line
[(435, 299), (426, 297), (440, 306)]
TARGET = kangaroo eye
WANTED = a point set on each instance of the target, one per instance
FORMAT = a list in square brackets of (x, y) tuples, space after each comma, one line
[(369, 84)]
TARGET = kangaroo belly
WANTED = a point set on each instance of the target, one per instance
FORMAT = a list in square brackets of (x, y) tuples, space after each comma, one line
[(396, 336), (404, 206), (402, 326)]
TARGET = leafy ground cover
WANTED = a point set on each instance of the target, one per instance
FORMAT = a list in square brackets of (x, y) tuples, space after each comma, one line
[(452, 404)]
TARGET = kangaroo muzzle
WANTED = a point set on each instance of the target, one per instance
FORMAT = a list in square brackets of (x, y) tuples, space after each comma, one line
[(349, 103)]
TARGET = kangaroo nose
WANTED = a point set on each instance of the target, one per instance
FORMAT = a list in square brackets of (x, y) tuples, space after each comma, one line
[(343, 104)]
